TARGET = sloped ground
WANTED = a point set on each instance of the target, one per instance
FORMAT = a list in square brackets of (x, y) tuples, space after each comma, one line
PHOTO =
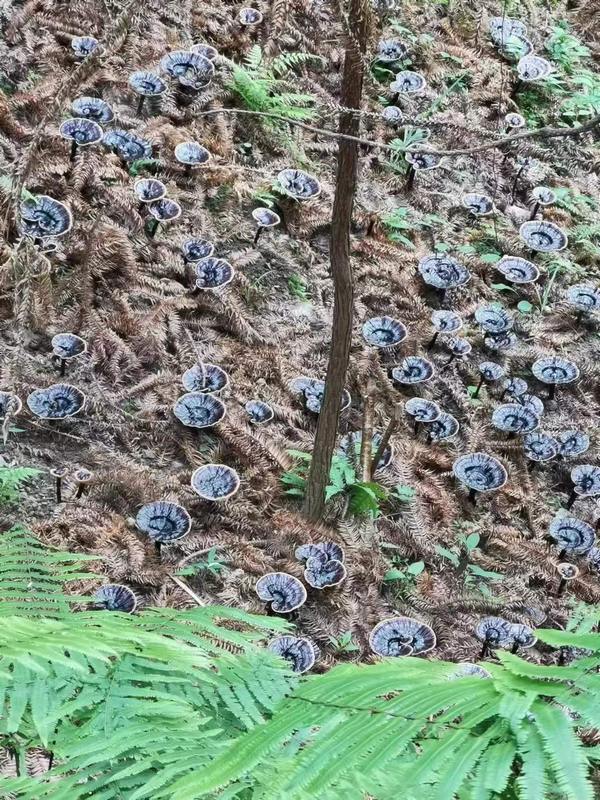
[(130, 297)]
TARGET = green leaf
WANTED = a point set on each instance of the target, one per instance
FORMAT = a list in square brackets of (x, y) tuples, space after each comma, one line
[(472, 541), (503, 287), (394, 575), (450, 555), (490, 258), (525, 307), (416, 568), (404, 493)]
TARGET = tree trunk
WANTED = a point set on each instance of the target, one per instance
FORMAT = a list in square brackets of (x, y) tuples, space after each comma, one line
[(343, 307)]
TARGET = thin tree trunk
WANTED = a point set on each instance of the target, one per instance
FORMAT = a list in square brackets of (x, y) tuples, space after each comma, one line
[(341, 269)]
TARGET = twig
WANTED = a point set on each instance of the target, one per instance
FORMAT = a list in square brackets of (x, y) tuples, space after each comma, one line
[(392, 425), (183, 585), (367, 432)]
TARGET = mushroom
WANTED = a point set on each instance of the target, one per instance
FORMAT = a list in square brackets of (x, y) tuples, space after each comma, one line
[(205, 50), (443, 272), (194, 250), (493, 319), (163, 522), (93, 108), (191, 154), (81, 133), (503, 27), (479, 472), (542, 197), (543, 237), (250, 16), (480, 205), (532, 69), (259, 412), (67, 346), (572, 535), (568, 572), (84, 46), (422, 410), (493, 632), (383, 332), (126, 145), (216, 482), (43, 216), (284, 592), (513, 387), (56, 402), (401, 636), (146, 84), (514, 120), (420, 161), (213, 273), (531, 402), (444, 322), (300, 652), (585, 298), (115, 597), (458, 347), (413, 369), (489, 372), (586, 482), (264, 218), (199, 410), (514, 418), (390, 50), (522, 636), (392, 115), (322, 572), (572, 443), (331, 550), (312, 392), (149, 190), (554, 371), (192, 70), (10, 405), (444, 427), (298, 185), (205, 378), (517, 270), (163, 210), (83, 478), (407, 82), (351, 443), (539, 447), (58, 473)]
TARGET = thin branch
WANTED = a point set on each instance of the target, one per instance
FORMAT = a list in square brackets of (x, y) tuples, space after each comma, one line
[(183, 585)]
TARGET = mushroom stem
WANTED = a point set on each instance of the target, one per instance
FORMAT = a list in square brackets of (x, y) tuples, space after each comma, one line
[(416, 426), (410, 178), (58, 489), (561, 555), (515, 647), (158, 548), (475, 394), (152, 228), (433, 340), (473, 496), (571, 500), (551, 391), (536, 208), (187, 170), (561, 587), (443, 296), (63, 366), (73, 150), (80, 490), (259, 230), (485, 649), (503, 395), (447, 364), (579, 316), (140, 105)]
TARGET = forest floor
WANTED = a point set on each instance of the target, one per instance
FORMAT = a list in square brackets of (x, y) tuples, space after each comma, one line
[(129, 296)]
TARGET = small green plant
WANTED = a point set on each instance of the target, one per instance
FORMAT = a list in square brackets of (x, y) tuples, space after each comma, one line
[(140, 165), (212, 564), (265, 197), (565, 49), (404, 573), (298, 287), (402, 221), (344, 643), (11, 483), (459, 556)]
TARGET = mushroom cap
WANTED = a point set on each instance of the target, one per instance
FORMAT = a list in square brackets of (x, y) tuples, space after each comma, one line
[(467, 670), (191, 69), (495, 631), (82, 131), (205, 378), (446, 321), (351, 443), (544, 237), (444, 427), (514, 418), (592, 558), (84, 46), (389, 50), (532, 68), (92, 108), (572, 443), (522, 635), (9, 404), (298, 184), (265, 218), (126, 145), (515, 386), (408, 82), (192, 153), (326, 551), (213, 273), (68, 345), (499, 341), (517, 270), (197, 249), (458, 346), (532, 402), (493, 318), (514, 120), (503, 27), (490, 371), (323, 573), (215, 482), (543, 195), (83, 475), (205, 50), (116, 597), (586, 480), (567, 571), (250, 16), (299, 651), (423, 159), (148, 190), (443, 272), (392, 115), (59, 472), (383, 332), (396, 636), (283, 591), (539, 446), (480, 471), (422, 410), (164, 210), (572, 535), (313, 392), (199, 410), (43, 216), (147, 84), (515, 47), (259, 412), (163, 521), (56, 402), (413, 369), (555, 370), (584, 297), (478, 204)]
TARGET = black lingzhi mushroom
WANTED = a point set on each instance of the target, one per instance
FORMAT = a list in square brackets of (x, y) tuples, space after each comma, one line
[(192, 70), (586, 482), (407, 82), (542, 197), (191, 155), (493, 632), (322, 572), (480, 205), (479, 472), (422, 410), (383, 332), (390, 50), (585, 298), (412, 370), (401, 636), (514, 418), (517, 270), (84, 46), (420, 161), (264, 218), (514, 387), (444, 322), (298, 185), (67, 346), (127, 146), (149, 190), (572, 443), (115, 597), (444, 427), (489, 372), (206, 378), (572, 535), (259, 412), (43, 216), (543, 237), (215, 482), (82, 478), (146, 84), (56, 402), (199, 410), (194, 250), (312, 392), (81, 133), (250, 16), (284, 592), (58, 473), (443, 272), (539, 446), (163, 210), (554, 371), (163, 521), (568, 572), (532, 69), (300, 652), (213, 273), (93, 108)]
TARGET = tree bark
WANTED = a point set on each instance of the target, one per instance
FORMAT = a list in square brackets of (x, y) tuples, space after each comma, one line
[(341, 269)]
